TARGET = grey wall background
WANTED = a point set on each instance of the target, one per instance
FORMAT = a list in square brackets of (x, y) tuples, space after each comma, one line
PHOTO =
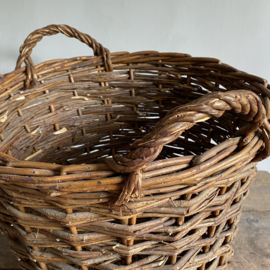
[(237, 32)]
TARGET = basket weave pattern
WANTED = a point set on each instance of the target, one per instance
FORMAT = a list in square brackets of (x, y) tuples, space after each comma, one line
[(127, 160)]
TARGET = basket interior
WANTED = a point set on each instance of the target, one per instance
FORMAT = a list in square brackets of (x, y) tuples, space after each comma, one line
[(85, 115)]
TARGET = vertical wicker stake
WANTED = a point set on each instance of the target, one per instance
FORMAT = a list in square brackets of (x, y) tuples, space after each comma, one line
[(108, 101), (160, 89), (211, 230), (22, 209), (124, 222), (79, 110), (132, 221), (28, 230), (131, 77), (110, 118), (181, 220), (230, 222), (73, 230), (173, 259)]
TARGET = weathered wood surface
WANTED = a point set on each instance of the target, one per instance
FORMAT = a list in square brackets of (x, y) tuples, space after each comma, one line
[(252, 245), (7, 258)]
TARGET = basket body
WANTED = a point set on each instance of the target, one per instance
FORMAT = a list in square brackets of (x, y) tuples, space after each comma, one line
[(59, 181)]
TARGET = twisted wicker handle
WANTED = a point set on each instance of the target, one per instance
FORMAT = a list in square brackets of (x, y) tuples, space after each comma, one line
[(182, 118), (53, 29)]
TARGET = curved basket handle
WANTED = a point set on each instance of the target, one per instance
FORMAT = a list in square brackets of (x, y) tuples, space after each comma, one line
[(180, 119), (53, 29)]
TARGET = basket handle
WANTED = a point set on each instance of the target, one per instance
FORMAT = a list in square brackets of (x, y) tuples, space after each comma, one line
[(53, 29), (183, 118)]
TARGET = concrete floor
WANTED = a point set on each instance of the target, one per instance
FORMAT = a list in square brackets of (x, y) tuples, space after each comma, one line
[(252, 244)]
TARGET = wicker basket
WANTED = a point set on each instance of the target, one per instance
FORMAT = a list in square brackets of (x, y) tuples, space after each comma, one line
[(127, 160)]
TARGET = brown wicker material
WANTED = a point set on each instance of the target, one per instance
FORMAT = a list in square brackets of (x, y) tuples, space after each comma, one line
[(127, 160)]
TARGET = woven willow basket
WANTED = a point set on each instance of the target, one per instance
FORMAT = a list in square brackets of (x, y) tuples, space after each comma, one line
[(127, 160)]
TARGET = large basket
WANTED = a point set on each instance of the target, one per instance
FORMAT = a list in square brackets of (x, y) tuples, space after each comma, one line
[(127, 160)]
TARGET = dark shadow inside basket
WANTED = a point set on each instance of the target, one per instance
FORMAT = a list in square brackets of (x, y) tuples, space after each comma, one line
[(81, 121)]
